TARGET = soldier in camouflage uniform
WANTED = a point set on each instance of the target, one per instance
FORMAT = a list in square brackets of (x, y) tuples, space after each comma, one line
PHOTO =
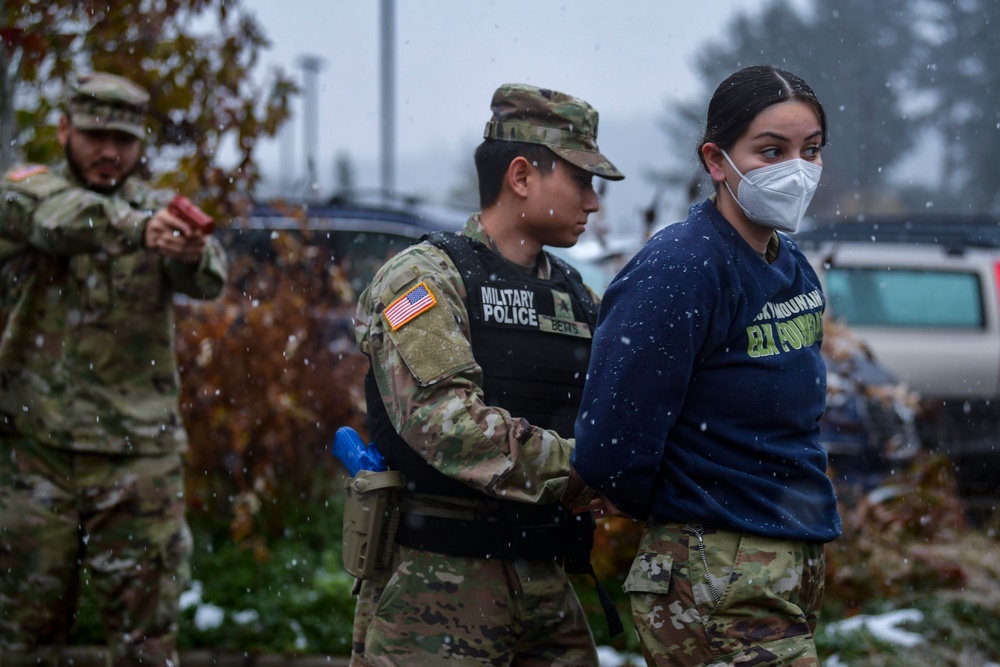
[(90, 435), (478, 343)]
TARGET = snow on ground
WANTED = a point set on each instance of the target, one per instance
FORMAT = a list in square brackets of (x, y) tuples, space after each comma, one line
[(209, 616), (883, 627), (608, 657)]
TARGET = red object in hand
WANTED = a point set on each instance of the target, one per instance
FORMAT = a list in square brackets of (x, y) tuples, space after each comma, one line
[(185, 209)]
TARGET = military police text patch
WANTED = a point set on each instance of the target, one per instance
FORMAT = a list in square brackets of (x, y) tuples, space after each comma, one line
[(26, 171), (418, 300)]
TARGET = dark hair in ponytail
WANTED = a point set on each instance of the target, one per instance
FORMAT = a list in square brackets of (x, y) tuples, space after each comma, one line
[(742, 96)]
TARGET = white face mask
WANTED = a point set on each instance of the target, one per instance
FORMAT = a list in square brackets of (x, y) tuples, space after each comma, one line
[(777, 195)]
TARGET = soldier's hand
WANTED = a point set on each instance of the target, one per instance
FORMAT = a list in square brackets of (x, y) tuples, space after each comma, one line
[(601, 507), (172, 237)]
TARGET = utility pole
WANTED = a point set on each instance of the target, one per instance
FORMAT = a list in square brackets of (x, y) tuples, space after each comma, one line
[(387, 16), (311, 65), (286, 159)]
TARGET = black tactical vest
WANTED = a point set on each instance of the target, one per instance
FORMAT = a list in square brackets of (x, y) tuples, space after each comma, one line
[(532, 338)]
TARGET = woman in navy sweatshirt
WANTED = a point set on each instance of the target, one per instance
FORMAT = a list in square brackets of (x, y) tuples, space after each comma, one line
[(706, 384)]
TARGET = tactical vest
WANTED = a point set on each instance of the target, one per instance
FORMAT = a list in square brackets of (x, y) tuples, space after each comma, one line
[(532, 339)]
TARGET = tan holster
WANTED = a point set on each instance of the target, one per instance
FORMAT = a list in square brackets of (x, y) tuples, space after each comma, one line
[(371, 517)]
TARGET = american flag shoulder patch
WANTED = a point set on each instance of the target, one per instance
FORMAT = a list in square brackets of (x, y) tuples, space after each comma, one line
[(26, 171), (416, 301)]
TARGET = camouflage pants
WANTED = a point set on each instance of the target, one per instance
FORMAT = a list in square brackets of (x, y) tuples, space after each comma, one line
[(122, 516), (757, 604), (368, 597), (443, 610)]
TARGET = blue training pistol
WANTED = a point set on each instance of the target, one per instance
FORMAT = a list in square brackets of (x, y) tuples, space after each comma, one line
[(354, 454)]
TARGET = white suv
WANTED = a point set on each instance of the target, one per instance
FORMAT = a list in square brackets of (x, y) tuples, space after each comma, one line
[(923, 294)]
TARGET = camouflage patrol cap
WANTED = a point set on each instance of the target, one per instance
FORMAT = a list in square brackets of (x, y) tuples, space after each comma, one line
[(101, 101), (563, 123)]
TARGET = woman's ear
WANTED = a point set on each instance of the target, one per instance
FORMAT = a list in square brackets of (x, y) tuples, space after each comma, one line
[(714, 160)]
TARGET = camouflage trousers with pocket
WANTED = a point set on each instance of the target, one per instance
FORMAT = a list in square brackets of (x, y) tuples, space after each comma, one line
[(122, 517), (449, 610), (710, 598)]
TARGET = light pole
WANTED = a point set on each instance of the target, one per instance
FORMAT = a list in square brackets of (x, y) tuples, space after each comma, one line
[(311, 65), (387, 15)]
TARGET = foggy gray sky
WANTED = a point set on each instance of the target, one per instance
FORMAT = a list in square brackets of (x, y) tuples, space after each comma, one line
[(626, 58)]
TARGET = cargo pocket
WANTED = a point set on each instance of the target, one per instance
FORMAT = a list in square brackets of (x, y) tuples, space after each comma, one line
[(759, 602), (648, 586), (650, 573)]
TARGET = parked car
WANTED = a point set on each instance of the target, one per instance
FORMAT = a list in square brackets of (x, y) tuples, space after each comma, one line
[(869, 428), (356, 236), (922, 292), (360, 236)]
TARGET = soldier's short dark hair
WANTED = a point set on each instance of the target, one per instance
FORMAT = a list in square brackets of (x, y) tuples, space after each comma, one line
[(493, 157)]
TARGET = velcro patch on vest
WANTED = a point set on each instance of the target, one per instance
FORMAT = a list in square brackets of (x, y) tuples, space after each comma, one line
[(21, 173), (417, 300), (566, 327)]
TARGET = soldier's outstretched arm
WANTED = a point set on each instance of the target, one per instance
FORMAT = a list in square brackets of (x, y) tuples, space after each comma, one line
[(70, 221), (432, 386)]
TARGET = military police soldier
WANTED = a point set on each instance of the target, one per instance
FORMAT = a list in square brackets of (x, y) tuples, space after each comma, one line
[(90, 435), (479, 343)]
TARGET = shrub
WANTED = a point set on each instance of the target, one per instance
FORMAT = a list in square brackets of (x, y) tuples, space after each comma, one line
[(270, 371)]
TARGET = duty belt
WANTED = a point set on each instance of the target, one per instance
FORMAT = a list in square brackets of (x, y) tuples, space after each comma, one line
[(496, 539)]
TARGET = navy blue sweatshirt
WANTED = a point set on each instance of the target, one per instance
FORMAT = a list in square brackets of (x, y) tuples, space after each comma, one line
[(706, 385)]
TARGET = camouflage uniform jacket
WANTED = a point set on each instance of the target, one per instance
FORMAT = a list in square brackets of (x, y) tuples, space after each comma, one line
[(87, 358), (432, 388)]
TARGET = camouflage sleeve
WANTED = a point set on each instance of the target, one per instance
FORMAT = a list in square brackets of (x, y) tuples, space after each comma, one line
[(431, 386), (10, 244), (73, 221), (204, 280)]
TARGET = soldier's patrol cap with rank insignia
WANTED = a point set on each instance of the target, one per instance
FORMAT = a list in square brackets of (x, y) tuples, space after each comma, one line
[(102, 101), (563, 123)]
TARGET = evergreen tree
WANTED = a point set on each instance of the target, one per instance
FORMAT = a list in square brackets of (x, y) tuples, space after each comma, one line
[(855, 54), (959, 50)]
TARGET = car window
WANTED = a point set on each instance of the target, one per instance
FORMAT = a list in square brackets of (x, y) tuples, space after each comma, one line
[(357, 253), (361, 254), (905, 298), (358, 246)]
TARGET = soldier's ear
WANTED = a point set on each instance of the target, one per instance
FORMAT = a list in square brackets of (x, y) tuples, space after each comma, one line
[(518, 172), (64, 128)]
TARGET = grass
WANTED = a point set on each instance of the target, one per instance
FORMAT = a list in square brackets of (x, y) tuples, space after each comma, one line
[(293, 598), (296, 601)]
